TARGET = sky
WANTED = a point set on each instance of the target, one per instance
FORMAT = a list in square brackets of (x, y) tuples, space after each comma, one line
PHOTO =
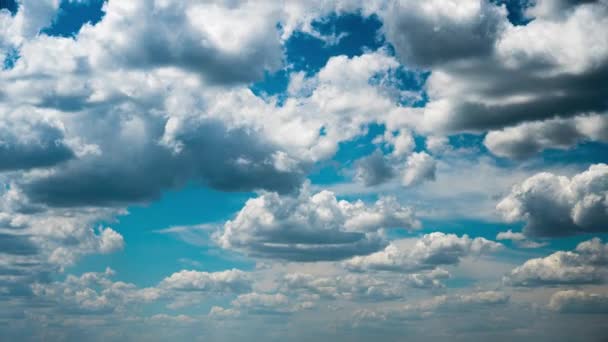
[(347, 170)]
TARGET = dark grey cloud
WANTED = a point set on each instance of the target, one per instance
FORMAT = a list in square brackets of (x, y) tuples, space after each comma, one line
[(229, 160), (17, 244), (563, 95), (431, 34), (42, 145), (579, 302), (373, 169)]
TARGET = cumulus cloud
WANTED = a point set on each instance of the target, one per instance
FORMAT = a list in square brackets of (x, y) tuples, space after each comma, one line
[(28, 140), (234, 281), (430, 251), (93, 292), (373, 169), (527, 139), (579, 302), (414, 168), (312, 227), (554, 205), (490, 74), (361, 287), (420, 167), (519, 239), (587, 264)]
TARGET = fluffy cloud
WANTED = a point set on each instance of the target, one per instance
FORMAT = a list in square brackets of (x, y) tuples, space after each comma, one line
[(219, 282), (527, 139), (519, 239), (490, 74), (413, 168), (420, 167), (373, 169), (429, 252), (93, 293), (188, 35), (572, 301), (359, 287), (554, 205), (28, 139), (312, 227), (587, 264)]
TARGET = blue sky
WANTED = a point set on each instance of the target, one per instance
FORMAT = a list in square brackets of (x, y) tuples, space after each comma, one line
[(341, 170)]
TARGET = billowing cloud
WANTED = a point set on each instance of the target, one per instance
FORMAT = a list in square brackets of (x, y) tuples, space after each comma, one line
[(554, 205), (93, 293), (490, 74), (419, 167), (373, 169), (527, 139), (430, 251), (312, 227), (587, 264), (29, 140)]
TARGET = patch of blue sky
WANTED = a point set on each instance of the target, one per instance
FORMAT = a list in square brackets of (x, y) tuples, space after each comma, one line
[(10, 59), (9, 5), (305, 52), (190, 206), (516, 10), (72, 15), (584, 154)]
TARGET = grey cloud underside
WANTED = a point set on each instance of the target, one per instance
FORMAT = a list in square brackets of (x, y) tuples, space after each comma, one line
[(48, 150), (527, 139), (557, 96), (374, 169), (210, 155), (427, 42), (327, 251)]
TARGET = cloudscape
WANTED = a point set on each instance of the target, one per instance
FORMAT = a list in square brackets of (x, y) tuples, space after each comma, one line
[(303, 170)]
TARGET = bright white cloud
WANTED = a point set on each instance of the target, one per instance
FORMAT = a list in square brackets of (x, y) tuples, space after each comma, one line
[(430, 251)]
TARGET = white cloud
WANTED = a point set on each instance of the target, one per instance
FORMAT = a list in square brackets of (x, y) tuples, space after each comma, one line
[(312, 227), (230, 281), (430, 251), (519, 239), (419, 167), (488, 74), (554, 205), (587, 264), (530, 138)]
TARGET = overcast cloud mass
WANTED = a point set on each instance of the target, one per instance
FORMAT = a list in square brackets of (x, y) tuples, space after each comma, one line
[(347, 170)]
